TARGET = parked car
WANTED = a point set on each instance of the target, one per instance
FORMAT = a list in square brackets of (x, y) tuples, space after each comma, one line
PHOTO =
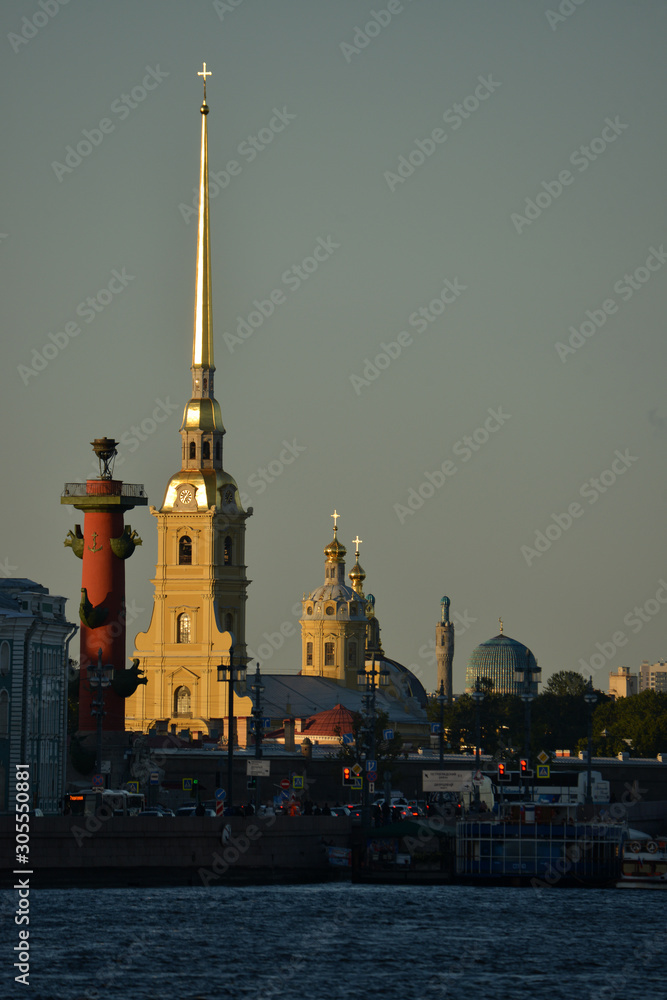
[(340, 811)]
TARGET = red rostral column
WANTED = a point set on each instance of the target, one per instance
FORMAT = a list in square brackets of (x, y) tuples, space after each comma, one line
[(103, 547)]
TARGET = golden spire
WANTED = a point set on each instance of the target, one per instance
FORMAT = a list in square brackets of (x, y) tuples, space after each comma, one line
[(501, 625), (202, 344)]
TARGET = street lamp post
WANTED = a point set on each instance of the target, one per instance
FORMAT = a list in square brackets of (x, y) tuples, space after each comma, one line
[(366, 680), (527, 695), (257, 687), (590, 698), (442, 700), (99, 678), (478, 698), (230, 673)]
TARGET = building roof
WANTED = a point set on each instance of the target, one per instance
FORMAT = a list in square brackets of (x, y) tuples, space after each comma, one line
[(499, 659), (302, 696)]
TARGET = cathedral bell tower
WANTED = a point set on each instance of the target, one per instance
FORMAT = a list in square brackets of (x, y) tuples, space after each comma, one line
[(200, 581)]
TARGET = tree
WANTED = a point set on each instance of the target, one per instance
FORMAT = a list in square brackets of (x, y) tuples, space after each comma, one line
[(565, 682), (386, 751)]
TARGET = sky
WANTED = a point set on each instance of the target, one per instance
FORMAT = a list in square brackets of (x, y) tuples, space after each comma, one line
[(469, 369)]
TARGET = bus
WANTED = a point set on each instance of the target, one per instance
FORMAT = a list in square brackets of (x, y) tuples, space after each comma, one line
[(116, 802)]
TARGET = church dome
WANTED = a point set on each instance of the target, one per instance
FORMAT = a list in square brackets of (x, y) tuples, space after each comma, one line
[(357, 576), (335, 550), (502, 660)]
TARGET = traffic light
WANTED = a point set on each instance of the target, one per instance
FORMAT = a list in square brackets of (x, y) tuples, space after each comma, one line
[(348, 777), (194, 791), (503, 773), (252, 782), (526, 772)]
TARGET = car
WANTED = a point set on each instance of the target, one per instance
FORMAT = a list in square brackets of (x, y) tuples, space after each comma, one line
[(192, 811), (340, 811), (152, 812)]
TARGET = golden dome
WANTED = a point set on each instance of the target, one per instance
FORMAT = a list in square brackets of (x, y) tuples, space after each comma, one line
[(335, 550), (357, 576)]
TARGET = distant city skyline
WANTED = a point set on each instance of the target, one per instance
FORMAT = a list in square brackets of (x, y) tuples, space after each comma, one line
[(438, 304)]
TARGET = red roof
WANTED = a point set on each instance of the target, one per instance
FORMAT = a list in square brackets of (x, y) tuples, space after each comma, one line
[(333, 722)]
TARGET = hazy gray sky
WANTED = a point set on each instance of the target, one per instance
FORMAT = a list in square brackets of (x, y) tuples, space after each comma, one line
[(498, 165)]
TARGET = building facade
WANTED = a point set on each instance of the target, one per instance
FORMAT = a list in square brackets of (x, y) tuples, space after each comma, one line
[(653, 676), (623, 684), (34, 658)]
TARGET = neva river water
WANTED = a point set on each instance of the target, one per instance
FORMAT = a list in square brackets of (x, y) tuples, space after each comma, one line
[(336, 942)]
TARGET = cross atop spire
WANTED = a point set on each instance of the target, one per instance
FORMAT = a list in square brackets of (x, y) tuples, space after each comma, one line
[(203, 72), (335, 516), (357, 541)]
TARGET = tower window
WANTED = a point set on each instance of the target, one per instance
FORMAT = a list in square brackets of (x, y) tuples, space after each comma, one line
[(182, 701), (206, 450), (309, 654), (185, 551), (229, 623), (442, 639), (183, 630), (193, 450), (4, 659), (217, 451), (205, 383), (228, 550), (352, 653), (329, 654)]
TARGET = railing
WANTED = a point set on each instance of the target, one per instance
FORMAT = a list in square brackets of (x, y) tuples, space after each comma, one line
[(104, 488)]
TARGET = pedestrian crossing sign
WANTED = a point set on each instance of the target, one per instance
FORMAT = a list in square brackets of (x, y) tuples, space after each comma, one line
[(543, 770)]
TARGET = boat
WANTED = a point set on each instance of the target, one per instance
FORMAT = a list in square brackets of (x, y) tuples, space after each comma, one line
[(644, 862)]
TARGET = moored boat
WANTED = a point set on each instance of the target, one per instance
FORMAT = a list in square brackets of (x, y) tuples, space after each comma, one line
[(644, 863)]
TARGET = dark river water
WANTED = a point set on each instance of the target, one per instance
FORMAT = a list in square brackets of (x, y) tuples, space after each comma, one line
[(334, 942)]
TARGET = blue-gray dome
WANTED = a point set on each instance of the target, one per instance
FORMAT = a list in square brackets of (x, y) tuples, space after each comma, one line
[(501, 660)]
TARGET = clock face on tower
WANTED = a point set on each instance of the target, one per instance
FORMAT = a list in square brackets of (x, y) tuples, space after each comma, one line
[(185, 494)]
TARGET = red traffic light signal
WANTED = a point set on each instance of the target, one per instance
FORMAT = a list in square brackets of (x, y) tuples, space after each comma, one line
[(347, 776), (523, 764), (503, 773)]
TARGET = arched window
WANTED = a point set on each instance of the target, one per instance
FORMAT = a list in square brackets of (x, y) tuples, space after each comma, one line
[(309, 654), (193, 450), (206, 450), (228, 551), (217, 451), (183, 628), (4, 714), (182, 701), (4, 659), (442, 639), (229, 623), (185, 551), (329, 654)]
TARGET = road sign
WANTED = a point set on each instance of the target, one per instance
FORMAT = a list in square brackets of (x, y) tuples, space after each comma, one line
[(266, 722), (258, 768), (543, 757), (357, 782), (297, 781), (543, 770), (285, 783), (371, 765), (187, 784), (387, 734), (371, 776), (98, 781), (371, 787), (348, 737), (132, 786), (435, 728), (154, 778), (445, 781), (356, 769), (105, 767), (219, 807), (479, 777), (220, 795)]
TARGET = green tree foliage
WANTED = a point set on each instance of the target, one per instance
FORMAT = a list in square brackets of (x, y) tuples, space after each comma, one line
[(565, 682), (386, 751), (637, 724)]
